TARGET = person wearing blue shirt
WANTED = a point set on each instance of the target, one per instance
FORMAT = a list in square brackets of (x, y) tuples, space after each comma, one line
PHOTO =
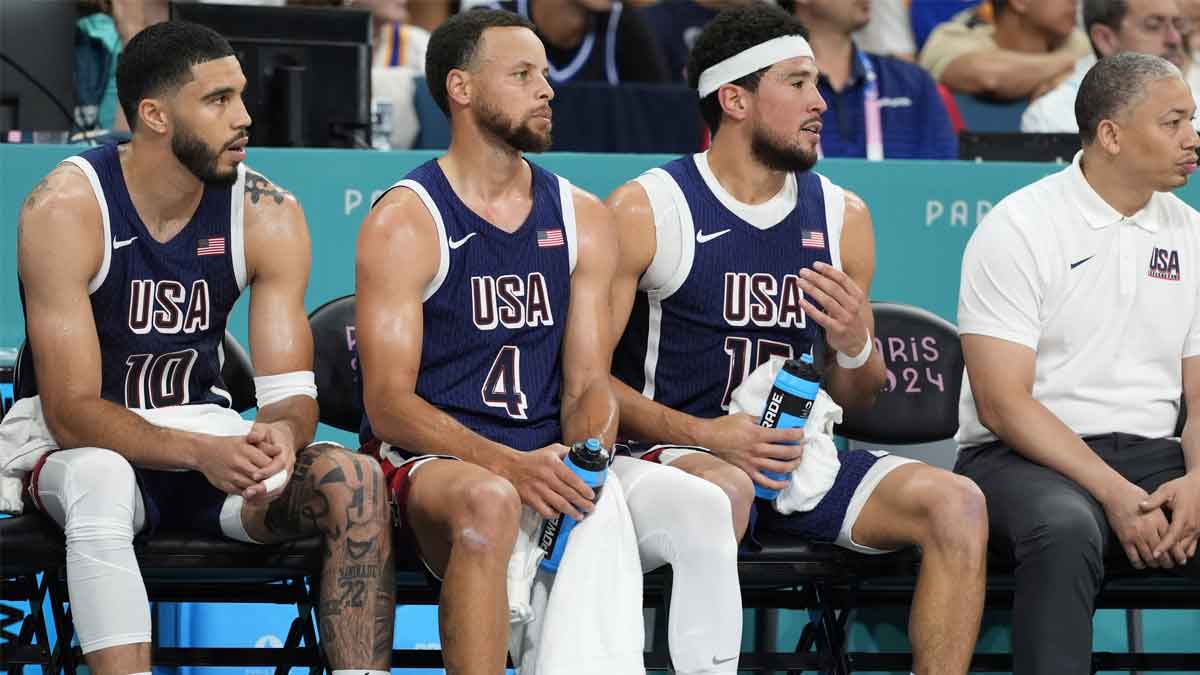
[(878, 106)]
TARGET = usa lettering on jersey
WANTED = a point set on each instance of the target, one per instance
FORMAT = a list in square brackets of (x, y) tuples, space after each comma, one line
[(166, 307), (510, 301), (762, 300)]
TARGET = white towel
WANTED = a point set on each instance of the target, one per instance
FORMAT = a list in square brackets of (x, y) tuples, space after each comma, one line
[(522, 566), (820, 464), (588, 616), (25, 437)]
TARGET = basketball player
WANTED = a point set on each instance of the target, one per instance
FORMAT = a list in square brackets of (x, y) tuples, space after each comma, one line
[(131, 258), (734, 255), (483, 301)]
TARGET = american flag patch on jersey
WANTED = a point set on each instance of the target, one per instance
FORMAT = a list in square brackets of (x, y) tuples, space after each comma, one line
[(211, 246), (549, 238), (812, 239)]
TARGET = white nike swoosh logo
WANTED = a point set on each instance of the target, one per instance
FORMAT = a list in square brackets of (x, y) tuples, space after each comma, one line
[(122, 244), (460, 242), (702, 238)]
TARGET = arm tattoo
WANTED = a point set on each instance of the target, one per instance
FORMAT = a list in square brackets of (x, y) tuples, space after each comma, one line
[(257, 186), (37, 194)]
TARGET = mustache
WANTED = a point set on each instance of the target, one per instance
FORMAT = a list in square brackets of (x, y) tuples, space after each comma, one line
[(243, 135)]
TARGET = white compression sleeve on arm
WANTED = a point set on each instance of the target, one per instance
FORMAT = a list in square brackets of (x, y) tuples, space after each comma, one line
[(93, 494)]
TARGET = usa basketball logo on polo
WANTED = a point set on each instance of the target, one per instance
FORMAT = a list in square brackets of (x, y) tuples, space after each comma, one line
[(1164, 264)]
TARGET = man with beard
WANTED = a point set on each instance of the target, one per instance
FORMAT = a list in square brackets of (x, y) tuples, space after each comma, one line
[(879, 106), (130, 260), (483, 290), (736, 255)]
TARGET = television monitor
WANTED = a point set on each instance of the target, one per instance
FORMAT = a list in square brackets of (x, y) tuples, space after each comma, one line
[(1018, 147), (308, 70)]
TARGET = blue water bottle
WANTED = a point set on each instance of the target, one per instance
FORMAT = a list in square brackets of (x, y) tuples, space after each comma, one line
[(788, 406), (589, 461)]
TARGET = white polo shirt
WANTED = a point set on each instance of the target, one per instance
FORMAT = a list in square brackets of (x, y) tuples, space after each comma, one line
[(1108, 303)]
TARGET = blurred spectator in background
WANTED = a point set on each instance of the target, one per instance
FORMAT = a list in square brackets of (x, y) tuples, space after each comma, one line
[(398, 43), (889, 32), (1031, 46), (1146, 26), (1191, 9), (676, 23), (926, 15), (397, 65), (593, 40), (878, 106), (429, 14)]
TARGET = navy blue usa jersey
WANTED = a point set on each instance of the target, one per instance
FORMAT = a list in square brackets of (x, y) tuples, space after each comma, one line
[(734, 300), (496, 311), (160, 308)]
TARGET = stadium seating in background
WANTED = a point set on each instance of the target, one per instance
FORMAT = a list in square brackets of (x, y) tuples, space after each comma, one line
[(598, 117)]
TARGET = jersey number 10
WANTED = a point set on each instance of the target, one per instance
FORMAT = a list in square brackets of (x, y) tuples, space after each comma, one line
[(158, 381)]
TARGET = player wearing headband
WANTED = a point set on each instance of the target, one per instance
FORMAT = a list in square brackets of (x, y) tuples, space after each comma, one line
[(741, 253)]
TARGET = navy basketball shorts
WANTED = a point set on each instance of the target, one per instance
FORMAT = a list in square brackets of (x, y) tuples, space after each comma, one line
[(833, 518)]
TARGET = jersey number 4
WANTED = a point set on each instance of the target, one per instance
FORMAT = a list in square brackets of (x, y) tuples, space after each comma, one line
[(158, 381), (502, 388)]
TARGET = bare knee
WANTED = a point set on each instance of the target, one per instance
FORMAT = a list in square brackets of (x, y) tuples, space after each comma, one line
[(485, 516), (955, 512)]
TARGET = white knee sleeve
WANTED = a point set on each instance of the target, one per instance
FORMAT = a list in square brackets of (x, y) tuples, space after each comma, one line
[(686, 522), (92, 493)]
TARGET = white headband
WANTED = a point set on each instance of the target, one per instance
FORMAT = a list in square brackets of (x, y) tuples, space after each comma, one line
[(762, 55)]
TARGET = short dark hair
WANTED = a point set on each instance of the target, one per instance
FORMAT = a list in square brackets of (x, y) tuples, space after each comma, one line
[(1112, 85), (731, 32), (160, 58), (1106, 12), (998, 7), (454, 43)]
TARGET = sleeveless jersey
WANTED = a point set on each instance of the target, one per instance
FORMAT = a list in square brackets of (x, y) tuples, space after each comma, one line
[(160, 308), (734, 299), (496, 312)]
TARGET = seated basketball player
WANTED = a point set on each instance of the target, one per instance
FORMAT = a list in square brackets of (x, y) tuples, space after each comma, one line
[(734, 255), (483, 302), (131, 258)]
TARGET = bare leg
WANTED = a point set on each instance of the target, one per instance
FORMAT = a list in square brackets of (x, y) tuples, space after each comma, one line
[(120, 660), (465, 519), (946, 516), (732, 480), (342, 496)]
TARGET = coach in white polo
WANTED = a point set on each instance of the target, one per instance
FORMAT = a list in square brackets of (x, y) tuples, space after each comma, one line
[(1078, 314)]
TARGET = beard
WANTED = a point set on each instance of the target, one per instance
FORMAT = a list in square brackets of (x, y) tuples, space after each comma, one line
[(777, 156), (194, 154), (517, 135)]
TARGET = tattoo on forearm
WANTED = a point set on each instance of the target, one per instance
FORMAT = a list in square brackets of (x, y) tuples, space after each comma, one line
[(257, 186)]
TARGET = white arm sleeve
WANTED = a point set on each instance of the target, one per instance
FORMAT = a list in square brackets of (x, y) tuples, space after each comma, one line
[(1002, 290), (668, 249)]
